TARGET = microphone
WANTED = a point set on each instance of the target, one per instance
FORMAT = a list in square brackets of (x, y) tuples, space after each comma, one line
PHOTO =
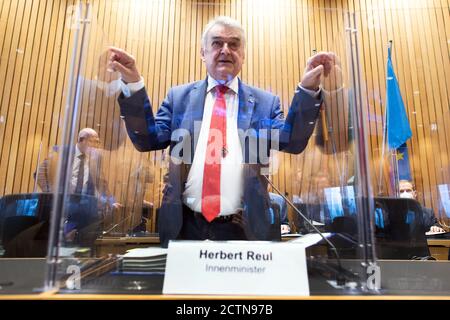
[(115, 226), (340, 278)]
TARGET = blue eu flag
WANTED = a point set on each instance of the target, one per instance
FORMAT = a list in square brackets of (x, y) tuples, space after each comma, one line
[(397, 124)]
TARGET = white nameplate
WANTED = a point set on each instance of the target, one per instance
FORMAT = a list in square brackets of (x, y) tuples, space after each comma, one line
[(236, 267)]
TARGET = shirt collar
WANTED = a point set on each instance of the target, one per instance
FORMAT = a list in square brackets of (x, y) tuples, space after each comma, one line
[(77, 151), (233, 84)]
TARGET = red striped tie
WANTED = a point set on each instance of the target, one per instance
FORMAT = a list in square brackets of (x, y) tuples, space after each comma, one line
[(216, 147)]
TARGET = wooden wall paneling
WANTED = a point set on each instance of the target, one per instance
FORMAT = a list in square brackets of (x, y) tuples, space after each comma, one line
[(419, 153), (421, 104), (305, 50), (176, 44), (440, 91), (332, 164), (138, 163), (185, 40), (433, 99), (112, 133), (7, 26), (283, 79), (159, 69), (88, 88), (116, 36), (167, 50), (148, 70), (99, 105), (122, 39), (247, 70), (157, 95), (304, 159), (426, 148), (158, 165), (361, 25), (26, 134), (110, 127), (374, 85), (294, 79), (383, 33), (33, 136), (100, 101), (4, 14), (443, 31), (294, 31), (52, 124), (191, 41), (10, 65), (277, 76), (21, 107), (42, 112), (204, 16)]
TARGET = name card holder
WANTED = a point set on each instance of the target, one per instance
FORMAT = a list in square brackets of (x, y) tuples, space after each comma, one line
[(236, 268)]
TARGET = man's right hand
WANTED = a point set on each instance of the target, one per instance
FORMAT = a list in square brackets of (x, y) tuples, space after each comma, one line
[(318, 66), (124, 63)]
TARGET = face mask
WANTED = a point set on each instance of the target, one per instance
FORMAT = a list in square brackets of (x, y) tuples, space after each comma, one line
[(407, 195)]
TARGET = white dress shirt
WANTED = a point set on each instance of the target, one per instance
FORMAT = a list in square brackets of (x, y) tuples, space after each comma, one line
[(231, 166), (76, 169)]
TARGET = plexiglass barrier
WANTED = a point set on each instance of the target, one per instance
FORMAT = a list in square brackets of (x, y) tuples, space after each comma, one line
[(407, 101), (287, 164)]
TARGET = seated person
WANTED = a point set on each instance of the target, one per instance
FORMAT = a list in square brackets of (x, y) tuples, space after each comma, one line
[(281, 203), (90, 198), (408, 191)]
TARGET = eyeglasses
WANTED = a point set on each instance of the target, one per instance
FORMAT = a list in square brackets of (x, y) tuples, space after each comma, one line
[(406, 190)]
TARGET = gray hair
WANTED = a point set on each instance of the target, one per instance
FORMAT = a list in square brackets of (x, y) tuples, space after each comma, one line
[(86, 133), (223, 21)]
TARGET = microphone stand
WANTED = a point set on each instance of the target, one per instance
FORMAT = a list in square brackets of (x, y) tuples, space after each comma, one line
[(116, 225), (340, 279)]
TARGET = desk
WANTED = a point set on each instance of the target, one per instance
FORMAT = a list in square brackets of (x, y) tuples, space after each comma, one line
[(114, 245), (439, 248)]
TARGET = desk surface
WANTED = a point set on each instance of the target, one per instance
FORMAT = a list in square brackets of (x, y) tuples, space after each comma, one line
[(128, 240), (439, 242), (409, 280), (155, 239)]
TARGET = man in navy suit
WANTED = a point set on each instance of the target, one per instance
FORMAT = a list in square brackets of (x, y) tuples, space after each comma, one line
[(220, 132)]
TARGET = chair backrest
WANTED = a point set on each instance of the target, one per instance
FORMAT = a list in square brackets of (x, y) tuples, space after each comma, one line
[(275, 229), (401, 233), (15, 225), (26, 218)]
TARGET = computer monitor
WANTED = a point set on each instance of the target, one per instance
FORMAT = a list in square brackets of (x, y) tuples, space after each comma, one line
[(25, 222), (444, 195), (399, 224), (338, 202), (399, 229)]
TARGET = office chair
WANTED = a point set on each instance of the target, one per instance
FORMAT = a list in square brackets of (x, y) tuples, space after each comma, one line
[(14, 225), (275, 230)]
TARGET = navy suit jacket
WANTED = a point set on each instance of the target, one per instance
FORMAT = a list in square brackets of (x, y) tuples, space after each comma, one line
[(177, 124)]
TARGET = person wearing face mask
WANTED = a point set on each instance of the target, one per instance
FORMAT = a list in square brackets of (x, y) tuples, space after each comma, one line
[(408, 191)]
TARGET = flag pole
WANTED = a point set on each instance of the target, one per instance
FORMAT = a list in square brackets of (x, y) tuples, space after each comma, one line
[(383, 148), (322, 113)]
